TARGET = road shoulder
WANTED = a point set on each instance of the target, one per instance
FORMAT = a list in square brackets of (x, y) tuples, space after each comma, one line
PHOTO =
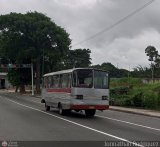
[(151, 113)]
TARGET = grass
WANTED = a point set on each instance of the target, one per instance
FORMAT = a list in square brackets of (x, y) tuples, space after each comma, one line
[(138, 94)]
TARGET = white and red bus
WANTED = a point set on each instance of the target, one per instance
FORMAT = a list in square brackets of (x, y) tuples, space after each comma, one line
[(76, 89)]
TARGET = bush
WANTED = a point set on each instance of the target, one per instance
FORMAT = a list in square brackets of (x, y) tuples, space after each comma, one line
[(121, 100), (150, 100), (136, 94), (137, 99), (119, 91), (128, 102), (125, 82)]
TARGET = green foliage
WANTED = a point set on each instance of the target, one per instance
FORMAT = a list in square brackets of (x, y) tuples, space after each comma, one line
[(77, 58), (139, 94), (153, 71), (14, 78), (151, 52), (32, 37), (114, 72), (72, 59), (154, 58), (119, 91), (137, 99), (26, 36), (150, 100), (17, 77), (125, 82)]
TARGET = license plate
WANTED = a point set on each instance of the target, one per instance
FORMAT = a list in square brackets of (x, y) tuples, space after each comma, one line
[(91, 107)]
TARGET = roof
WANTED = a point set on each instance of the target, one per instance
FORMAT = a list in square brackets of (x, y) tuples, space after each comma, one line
[(59, 72), (66, 71)]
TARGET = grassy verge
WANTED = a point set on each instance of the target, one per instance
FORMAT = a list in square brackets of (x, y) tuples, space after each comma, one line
[(131, 92)]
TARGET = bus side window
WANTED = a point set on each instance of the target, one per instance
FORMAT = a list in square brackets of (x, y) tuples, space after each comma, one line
[(65, 81), (60, 81), (69, 80), (45, 82), (74, 79), (56, 81), (50, 82), (53, 78)]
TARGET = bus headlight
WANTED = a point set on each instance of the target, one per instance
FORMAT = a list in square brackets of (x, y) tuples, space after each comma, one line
[(80, 97), (104, 97)]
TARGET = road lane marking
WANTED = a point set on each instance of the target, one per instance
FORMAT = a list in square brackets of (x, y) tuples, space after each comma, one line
[(114, 119), (89, 128), (128, 122), (30, 100), (34, 101)]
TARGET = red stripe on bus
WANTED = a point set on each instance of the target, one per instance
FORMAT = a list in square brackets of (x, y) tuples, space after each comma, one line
[(84, 107), (66, 90)]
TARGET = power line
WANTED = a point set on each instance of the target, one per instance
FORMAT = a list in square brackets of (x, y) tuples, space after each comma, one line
[(116, 23)]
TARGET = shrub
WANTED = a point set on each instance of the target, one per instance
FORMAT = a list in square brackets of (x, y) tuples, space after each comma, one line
[(150, 100), (128, 102), (121, 100), (137, 99), (119, 91), (136, 94)]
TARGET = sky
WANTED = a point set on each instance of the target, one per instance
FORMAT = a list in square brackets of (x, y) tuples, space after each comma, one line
[(123, 45)]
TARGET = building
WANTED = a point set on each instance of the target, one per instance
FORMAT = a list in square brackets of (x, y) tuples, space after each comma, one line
[(4, 83)]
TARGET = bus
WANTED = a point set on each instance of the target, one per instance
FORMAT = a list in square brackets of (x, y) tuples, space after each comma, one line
[(76, 89)]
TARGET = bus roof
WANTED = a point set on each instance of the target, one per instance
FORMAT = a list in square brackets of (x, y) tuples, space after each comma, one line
[(66, 71)]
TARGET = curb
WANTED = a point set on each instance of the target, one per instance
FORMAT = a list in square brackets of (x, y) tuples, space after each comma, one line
[(141, 112)]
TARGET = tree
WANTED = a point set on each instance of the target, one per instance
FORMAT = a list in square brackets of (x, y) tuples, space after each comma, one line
[(157, 61), (31, 38), (113, 71), (154, 58), (77, 58), (152, 53), (18, 78), (141, 72)]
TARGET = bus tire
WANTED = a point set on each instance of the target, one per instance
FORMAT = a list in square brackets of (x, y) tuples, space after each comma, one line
[(90, 113), (60, 110), (63, 111), (47, 108)]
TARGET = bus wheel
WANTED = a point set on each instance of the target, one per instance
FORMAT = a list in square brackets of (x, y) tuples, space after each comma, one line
[(63, 111), (60, 109), (47, 108), (90, 113)]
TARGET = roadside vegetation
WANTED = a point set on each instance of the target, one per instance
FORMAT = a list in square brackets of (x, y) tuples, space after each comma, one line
[(132, 92), (35, 38)]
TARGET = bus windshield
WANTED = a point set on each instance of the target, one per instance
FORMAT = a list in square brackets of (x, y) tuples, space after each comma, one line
[(83, 78), (100, 80)]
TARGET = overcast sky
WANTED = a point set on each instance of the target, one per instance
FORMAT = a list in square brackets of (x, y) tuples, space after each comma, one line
[(124, 45)]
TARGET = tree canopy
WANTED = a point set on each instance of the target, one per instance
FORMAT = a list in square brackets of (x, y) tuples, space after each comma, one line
[(78, 58), (152, 53), (30, 38), (154, 58), (114, 72)]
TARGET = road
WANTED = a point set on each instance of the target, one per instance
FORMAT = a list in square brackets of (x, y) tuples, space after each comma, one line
[(23, 118)]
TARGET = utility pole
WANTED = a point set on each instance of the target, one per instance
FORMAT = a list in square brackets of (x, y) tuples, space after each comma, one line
[(43, 63), (32, 79), (128, 74), (152, 69)]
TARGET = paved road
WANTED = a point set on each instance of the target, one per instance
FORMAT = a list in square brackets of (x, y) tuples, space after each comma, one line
[(23, 118)]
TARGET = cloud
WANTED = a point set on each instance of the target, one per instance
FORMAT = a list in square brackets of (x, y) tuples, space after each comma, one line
[(123, 45), (128, 52)]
